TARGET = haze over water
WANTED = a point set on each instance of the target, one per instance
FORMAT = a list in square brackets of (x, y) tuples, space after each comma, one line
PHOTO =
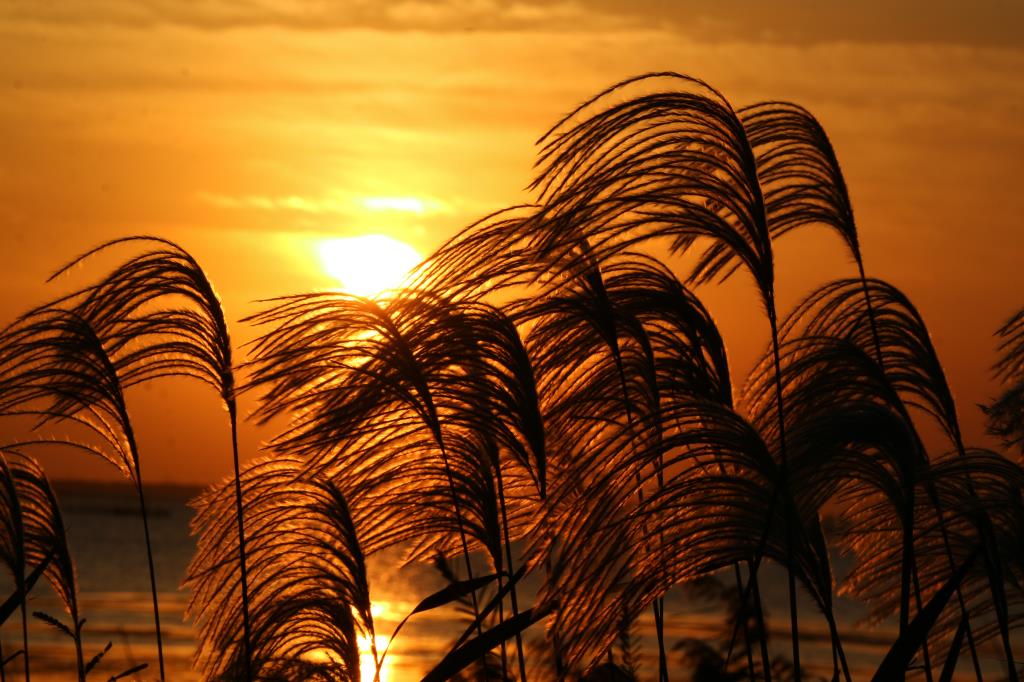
[(105, 533)]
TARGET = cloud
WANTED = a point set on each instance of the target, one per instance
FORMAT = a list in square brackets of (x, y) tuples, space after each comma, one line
[(419, 15), (981, 22), (330, 205)]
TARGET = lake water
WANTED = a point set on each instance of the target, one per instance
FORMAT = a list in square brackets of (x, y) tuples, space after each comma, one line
[(107, 543)]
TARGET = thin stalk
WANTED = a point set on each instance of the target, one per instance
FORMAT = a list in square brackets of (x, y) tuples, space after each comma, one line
[(18, 542), (659, 624), (511, 571), (752, 584), (784, 484), (925, 656), (556, 641), (992, 568), (999, 597), (933, 496), (432, 422), (837, 645), (459, 524), (907, 569), (152, 571), (239, 515), (501, 619), (79, 660), (24, 621), (373, 650), (871, 310), (752, 588), (742, 614), (954, 652), (501, 602), (908, 560), (133, 450)]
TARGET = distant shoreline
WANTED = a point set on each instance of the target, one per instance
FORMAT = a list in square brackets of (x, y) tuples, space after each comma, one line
[(71, 485)]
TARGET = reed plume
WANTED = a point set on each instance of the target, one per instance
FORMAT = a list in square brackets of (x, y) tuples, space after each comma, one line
[(158, 315), (28, 494), (55, 368), (310, 601), (1006, 412)]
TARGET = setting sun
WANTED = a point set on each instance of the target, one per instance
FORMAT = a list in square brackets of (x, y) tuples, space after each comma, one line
[(369, 264)]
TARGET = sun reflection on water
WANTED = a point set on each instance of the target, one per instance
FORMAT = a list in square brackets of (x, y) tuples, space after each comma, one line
[(367, 667), (367, 663)]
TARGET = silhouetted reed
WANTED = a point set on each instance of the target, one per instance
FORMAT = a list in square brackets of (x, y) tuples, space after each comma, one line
[(159, 315), (154, 315), (34, 536), (56, 368), (548, 398), (310, 594), (1006, 413)]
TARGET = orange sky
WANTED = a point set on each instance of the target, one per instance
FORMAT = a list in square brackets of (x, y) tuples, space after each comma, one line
[(248, 131)]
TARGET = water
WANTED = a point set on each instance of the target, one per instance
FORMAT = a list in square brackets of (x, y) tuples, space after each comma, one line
[(106, 535), (107, 543)]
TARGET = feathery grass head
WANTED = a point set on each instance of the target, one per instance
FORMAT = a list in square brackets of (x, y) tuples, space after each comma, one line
[(798, 171), (841, 309), (1006, 412), (44, 537), (416, 388), (158, 315), (660, 155), (310, 600), (54, 367)]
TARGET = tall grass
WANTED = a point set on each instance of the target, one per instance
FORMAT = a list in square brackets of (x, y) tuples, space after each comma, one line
[(34, 532), (550, 399)]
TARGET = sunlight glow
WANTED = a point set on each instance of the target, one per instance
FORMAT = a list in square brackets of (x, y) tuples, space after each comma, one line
[(367, 265), (367, 667), (403, 204), (367, 664)]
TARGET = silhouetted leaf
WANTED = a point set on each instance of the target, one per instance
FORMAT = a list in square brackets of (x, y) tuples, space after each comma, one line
[(901, 653), (949, 668), (97, 658), (53, 622), (11, 604), (453, 591), (471, 651)]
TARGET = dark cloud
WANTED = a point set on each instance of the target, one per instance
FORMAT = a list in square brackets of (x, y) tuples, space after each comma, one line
[(431, 15), (981, 22)]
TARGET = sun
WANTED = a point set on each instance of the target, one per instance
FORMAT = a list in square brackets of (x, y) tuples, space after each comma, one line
[(369, 264)]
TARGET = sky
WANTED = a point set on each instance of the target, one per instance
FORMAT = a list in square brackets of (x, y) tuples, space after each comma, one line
[(249, 132)]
